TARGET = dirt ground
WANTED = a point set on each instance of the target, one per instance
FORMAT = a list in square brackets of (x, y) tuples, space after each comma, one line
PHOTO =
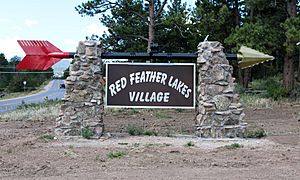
[(25, 155)]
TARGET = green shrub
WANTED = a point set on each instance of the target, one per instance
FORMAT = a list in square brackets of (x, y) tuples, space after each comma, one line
[(257, 133), (47, 137), (117, 154), (275, 90), (123, 143), (295, 93), (239, 89), (189, 144), (179, 110), (138, 131), (258, 84), (87, 133), (233, 146), (150, 133), (134, 130), (272, 85)]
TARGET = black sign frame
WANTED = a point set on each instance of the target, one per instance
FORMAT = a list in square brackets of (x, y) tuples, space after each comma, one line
[(130, 85)]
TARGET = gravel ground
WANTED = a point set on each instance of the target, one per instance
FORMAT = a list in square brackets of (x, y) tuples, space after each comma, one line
[(25, 155)]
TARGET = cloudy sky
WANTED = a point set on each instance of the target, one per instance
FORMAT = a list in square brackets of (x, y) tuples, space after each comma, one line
[(52, 20)]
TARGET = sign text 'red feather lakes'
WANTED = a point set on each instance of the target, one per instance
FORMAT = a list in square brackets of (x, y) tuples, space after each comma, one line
[(148, 85)]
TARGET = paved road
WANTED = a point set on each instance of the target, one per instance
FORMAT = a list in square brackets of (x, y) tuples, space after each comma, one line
[(52, 91)]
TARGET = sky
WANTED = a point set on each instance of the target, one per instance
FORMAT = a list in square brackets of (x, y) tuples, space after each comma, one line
[(54, 20)]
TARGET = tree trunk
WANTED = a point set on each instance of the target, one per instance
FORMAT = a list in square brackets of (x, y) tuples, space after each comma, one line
[(247, 77), (244, 77), (292, 8), (298, 74), (288, 73), (236, 12), (241, 80), (288, 70), (151, 25)]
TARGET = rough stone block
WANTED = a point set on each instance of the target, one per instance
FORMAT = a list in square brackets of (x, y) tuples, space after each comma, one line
[(78, 109), (216, 87)]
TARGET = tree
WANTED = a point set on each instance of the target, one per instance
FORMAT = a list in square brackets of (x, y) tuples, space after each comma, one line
[(133, 9), (175, 33), (291, 36), (4, 78), (15, 60), (212, 18), (12, 81), (260, 29)]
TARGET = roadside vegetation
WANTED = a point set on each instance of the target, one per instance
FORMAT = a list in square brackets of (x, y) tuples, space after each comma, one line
[(10, 95), (16, 83), (256, 133), (87, 133), (117, 154), (189, 144), (134, 130), (233, 146), (47, 137), (265, 93), (40, 111)]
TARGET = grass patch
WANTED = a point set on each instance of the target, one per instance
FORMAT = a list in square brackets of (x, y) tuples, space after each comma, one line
[(32, 113), (157, 145), (136, 144), (86, 133), (123, 144), (167, 144), (257, 133), (161, 115), (70, 153), (47, 103), (97, 157), (117, 154), (134, 130), (189, 144), (233, 146), (138, 131), (179, 110), (126, 111), (47, 137), (133, 111), (150, 133), (151, 145), (256, 101)]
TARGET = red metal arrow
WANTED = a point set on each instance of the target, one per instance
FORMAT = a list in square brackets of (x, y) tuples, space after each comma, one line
[(40, 55)]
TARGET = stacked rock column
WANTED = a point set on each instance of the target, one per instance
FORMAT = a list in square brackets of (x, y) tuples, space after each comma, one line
[(83, 101), (219, 113)]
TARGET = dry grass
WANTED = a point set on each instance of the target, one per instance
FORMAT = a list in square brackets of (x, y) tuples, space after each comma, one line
[(257, 102), (32, 113)]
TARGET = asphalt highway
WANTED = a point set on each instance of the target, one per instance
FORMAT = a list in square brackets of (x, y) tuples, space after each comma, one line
[(51, 91)]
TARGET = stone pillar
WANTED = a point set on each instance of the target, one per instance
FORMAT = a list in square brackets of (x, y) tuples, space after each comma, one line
[(83, 101), (219, 113)]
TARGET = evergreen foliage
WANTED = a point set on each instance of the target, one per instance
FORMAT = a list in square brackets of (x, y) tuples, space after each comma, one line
[(270, 26), (11, 81)]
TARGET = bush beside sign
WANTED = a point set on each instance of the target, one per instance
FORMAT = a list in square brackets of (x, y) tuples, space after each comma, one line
[(148, 85)]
